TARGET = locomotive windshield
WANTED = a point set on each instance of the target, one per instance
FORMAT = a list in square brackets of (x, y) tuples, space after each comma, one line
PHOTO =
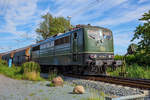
[(99, 40), (98, 34)]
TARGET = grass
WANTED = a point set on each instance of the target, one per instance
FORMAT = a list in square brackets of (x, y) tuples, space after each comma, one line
[(40, 90), (95, 95), (52, 75), (34, 76), (91, 98), (132, 71), (31, 67), (31, 71), (26, 99), (26, 71), (13, 72), (51, 85), (46, 98), (31, 94), (3, 62)]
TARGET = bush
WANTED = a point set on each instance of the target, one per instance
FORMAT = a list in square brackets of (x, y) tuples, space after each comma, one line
[(3, 62), (31, 67), (52, 75), (11, 72), (130, 59), (118, 57), (31, 71), (136, 71), (143, 59), (132, 71)]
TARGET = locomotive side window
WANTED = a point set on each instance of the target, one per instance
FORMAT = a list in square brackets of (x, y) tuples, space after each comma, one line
[(75, 35), (62, 40), (67, 39), (57, 42), (36, 48), (47, 45)]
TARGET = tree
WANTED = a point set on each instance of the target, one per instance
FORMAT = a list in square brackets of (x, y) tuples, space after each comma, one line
[(142, 33), (132, 49), (52, 25)]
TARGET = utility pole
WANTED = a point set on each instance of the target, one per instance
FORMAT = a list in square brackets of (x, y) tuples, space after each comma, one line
[(69, 19), (48, 30)]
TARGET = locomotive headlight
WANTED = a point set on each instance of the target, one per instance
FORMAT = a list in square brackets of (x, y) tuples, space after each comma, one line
[(93, 56), (110, 56)]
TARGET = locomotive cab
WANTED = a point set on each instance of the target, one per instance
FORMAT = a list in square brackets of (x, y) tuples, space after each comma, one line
[(98, 49)]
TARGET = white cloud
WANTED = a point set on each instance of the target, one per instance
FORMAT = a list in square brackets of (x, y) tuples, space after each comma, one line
[(80, 10), (122, 41), (22, 13), (3, 6), (141, 1), (18, 12), (125, 16)]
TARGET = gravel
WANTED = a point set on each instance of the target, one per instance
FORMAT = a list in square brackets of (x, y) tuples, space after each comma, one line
[(11, 89), (109, 89)]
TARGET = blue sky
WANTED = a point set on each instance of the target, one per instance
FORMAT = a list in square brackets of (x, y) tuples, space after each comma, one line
[(20, 18)]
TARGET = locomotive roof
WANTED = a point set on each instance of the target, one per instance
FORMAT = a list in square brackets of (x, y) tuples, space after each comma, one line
[(89, 26), (16, 50), (54, 38), (66, 34)]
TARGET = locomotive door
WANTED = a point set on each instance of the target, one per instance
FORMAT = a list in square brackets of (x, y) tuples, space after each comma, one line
[(75, 47)]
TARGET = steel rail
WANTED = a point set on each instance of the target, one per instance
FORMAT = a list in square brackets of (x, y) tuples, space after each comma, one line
[(134, 83)]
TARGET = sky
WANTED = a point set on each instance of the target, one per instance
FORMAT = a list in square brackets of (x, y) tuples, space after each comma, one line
[(20, 18)]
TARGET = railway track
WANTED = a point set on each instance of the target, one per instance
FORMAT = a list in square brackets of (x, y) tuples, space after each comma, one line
[(135, 83)]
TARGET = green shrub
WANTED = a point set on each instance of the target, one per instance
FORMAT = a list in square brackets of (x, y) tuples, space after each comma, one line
[(52, 75), (130, 59), (3, 62), (31, 67), (118, 57), (11, 72), (136, 71), (31, 71), (132, 71), (143, 59)]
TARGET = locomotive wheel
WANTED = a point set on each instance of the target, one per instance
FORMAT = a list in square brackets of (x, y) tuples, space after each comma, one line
[(104, 68), (93, 69)]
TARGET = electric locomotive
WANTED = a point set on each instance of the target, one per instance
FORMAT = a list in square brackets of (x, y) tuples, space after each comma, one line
[(84, 50)]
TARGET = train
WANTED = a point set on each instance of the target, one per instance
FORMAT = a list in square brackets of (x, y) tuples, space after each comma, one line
[(85, 49)]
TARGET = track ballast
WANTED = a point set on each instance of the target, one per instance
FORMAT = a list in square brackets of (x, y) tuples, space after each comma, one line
[(134, 83)]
